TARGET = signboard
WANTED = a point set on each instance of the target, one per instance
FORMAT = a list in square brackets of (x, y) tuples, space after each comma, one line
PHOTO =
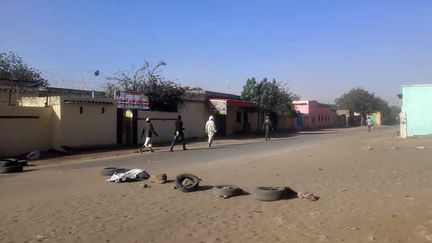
[(131, 100), (219, 106)]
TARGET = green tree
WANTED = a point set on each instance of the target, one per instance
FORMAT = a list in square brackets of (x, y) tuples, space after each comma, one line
[(13, 68), (393, 115), (164, 95), (362, 101), (269, 96)]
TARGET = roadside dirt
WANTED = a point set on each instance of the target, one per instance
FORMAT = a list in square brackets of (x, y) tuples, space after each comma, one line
[(372, 187)]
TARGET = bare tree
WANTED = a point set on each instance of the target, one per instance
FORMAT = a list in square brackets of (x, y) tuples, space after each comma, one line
[(164, 95)]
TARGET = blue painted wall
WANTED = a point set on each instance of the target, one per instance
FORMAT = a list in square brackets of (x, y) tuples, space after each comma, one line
[(417, 104)]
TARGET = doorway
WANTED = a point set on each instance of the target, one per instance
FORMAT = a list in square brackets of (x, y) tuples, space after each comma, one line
[(220, 121)]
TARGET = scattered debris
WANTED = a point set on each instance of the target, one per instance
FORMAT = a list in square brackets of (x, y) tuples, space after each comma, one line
[(269, 193), (420, 147), (369, 148), (371, 237), (40, 238), (396, 148), (186, 182), (320, 169), (322, 237), (130, 175), (226, 191), (343, 190), (143, 185), (109, 171), (158, 178), (307, 195), (352, 228)]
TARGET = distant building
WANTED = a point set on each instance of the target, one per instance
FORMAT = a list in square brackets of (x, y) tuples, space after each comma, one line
[(316, 115), (232, 115), (416, 115)]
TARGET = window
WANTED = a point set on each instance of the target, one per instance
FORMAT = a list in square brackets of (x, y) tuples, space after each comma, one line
[(238, 116), (103, 110), (319, 118), (81, 110)]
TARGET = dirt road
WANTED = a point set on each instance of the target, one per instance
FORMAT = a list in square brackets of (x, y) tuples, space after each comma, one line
[(372, 187)]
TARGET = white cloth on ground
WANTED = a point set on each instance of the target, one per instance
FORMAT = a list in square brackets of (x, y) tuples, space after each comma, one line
[(128, 175)]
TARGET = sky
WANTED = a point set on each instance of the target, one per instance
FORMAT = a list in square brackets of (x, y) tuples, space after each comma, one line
[(320, 49)]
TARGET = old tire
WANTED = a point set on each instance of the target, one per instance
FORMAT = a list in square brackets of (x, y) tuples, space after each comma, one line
[(8, 162), (11, 169), (226, 191), (189, 188), (109, 171), (269, 193), (22, 162)]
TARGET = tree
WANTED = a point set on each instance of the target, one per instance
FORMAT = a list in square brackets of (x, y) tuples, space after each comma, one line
[(270, 97), (393, 116), (362, 101), (13, 68), (164, 95)]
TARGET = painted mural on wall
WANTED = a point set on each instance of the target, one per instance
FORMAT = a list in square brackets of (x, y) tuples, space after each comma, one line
[(131, 100)]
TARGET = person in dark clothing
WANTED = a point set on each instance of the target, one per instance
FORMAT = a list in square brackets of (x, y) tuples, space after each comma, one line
[(178, 133), (147, 132), (267, 126)]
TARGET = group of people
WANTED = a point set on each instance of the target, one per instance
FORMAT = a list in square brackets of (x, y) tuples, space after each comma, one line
[(210, 129)]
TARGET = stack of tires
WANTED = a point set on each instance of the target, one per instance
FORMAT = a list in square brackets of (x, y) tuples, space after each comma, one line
[(12, 165)]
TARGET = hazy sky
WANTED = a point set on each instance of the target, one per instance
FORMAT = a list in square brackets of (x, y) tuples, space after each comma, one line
[(319, 48)]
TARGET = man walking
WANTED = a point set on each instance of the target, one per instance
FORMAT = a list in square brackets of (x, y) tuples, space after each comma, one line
[(369, 123), (178, 133), (267, 126), (147, 132), (210, 129)]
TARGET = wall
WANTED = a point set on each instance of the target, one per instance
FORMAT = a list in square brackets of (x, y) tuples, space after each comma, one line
[(194, 116), (417, 102), (376, 118), (23, 135), (4, 97), (92, 127), (285, 122), (253, 120)]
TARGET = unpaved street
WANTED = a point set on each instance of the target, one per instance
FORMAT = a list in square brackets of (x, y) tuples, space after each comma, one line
[(373, 188)]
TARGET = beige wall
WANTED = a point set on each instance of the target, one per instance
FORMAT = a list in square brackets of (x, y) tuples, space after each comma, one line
[(233, 127), (39, 101), (92, 127), (23, 135), (194, 116), (253, 120)]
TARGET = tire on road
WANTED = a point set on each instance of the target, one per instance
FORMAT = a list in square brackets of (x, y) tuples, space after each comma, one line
[(11, 169), (109, 171), (23, 162), (269, 193), (226, 191), (186, 188), (8, 162)]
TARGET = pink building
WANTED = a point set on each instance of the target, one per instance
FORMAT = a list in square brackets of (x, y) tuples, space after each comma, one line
[(316, 115)]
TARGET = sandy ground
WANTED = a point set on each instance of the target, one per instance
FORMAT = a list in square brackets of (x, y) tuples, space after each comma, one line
[(381, 194)]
